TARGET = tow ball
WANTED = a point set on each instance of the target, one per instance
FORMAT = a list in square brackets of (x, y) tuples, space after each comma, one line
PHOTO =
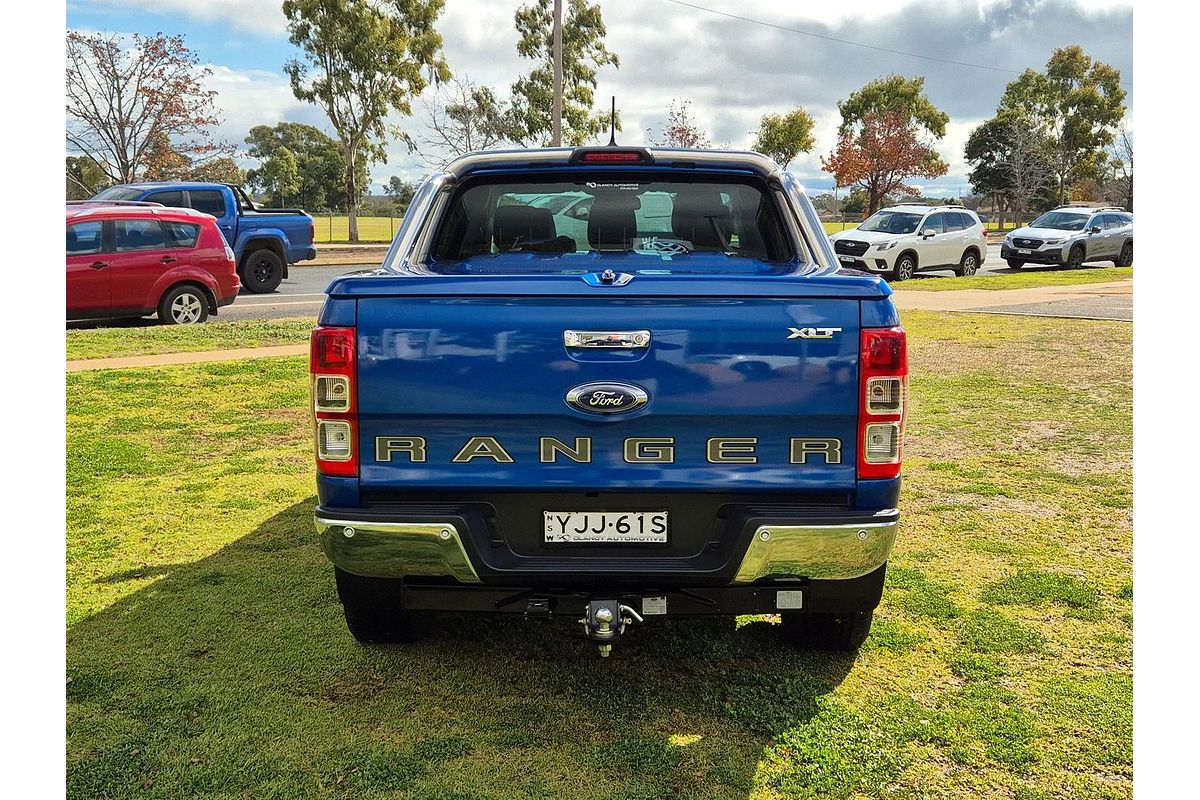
[(605, 620)]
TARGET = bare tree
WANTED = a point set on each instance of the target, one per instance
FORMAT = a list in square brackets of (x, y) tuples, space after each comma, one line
[(1031, 171), (464, 117), (127, 97), (681, 129)]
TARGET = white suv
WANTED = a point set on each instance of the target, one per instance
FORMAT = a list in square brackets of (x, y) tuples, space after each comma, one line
[(901, 239), (1071, 235)]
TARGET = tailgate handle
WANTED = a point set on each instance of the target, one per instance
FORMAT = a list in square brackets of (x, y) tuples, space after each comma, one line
[(622, 339)]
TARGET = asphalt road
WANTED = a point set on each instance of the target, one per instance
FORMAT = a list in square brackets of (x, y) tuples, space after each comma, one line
[(302, 293)]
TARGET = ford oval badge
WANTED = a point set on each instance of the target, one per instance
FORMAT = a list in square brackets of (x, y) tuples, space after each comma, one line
[(607, 398)]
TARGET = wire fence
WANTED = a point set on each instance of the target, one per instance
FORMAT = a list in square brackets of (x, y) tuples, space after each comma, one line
[(331, 227)]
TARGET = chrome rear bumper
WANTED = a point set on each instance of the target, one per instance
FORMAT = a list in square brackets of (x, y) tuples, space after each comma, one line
[(396, 549), (816, 551), (835, 552)]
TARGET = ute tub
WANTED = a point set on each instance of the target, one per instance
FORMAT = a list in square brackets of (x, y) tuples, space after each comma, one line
[(842, 547)]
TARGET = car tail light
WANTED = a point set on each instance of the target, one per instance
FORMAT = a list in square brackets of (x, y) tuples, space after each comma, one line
[(883, 363), (335, 411)]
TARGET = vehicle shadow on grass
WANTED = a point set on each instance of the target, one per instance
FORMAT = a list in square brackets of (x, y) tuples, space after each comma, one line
[(235, 674)]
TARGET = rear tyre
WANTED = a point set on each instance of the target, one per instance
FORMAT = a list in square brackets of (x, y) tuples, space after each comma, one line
[(1014, 263), (1075, 259), (1126, 257), (906, 265), (262, 271), (844, 632), (372, 609), (969, 264), (183, 305)]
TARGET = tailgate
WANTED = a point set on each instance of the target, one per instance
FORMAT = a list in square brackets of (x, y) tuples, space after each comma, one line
[(741, 393)]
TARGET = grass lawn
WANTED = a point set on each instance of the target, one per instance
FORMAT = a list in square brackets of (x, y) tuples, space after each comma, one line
[(1027, 279), (327, 229), (143, 341), (207, 655)]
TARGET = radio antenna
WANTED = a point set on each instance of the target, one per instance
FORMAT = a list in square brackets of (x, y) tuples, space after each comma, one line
[(612, 122)]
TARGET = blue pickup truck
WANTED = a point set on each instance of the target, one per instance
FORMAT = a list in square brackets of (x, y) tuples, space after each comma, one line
[(265, 241), (671, 402)]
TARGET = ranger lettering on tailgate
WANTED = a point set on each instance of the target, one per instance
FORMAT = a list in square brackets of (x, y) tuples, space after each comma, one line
[(719, 450), (610, 384)]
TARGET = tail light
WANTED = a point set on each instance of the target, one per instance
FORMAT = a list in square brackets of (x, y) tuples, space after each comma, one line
[(884, 369), (335, 404)]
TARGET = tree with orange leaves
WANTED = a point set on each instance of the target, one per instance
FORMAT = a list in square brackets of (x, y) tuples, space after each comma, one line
[(140, 102), (880, 153)]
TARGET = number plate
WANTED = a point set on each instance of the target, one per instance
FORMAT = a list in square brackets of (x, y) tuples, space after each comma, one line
[(1024, 252), (610, 527), (847, 258)]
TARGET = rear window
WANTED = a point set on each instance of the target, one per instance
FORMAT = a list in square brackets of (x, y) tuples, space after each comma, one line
[(172, 198), (183, 234), (208, 202), (572, 225)]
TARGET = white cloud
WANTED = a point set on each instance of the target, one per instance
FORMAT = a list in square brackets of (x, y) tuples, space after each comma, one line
[(264, 17), (256, 97)]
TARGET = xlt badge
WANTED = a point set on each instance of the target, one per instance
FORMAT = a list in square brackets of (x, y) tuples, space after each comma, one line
[(813, 333), (607, 398)]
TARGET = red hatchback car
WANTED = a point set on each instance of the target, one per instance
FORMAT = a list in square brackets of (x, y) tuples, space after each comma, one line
[(137, 260)]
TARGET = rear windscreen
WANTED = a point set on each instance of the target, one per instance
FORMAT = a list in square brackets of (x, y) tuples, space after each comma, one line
[(565, 224)]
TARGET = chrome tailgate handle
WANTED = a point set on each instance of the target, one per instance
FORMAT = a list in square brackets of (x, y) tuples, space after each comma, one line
[(622, 339)]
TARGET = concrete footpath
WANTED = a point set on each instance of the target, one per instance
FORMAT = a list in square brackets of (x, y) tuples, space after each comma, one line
[(982, 299), (1058, 301), (347, 255), (197, 357)]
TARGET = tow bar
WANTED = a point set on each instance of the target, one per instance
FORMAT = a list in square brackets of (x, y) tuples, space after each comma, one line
[(605, 620)]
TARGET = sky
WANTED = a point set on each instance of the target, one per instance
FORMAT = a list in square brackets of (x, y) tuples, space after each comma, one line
[(731, 70)]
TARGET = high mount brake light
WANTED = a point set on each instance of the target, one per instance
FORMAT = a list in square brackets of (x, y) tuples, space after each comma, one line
[(883, 364), (610, 155), (334, 399)]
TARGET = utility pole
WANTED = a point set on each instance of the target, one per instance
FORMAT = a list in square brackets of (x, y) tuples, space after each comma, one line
[(556, 135)]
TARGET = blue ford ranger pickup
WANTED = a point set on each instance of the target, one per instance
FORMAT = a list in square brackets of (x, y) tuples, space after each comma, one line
[(610, 384), (265, 241)]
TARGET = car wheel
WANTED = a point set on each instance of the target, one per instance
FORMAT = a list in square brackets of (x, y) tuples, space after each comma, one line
[(183, 305), (262, 271), (904, 269), (969, 264), (1126, 257), (1075, 259), (1014, 263), (372, 609), (826, 631)]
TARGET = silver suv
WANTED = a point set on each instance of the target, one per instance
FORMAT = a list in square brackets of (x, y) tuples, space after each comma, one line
[(1071, 235), (901, 239)]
